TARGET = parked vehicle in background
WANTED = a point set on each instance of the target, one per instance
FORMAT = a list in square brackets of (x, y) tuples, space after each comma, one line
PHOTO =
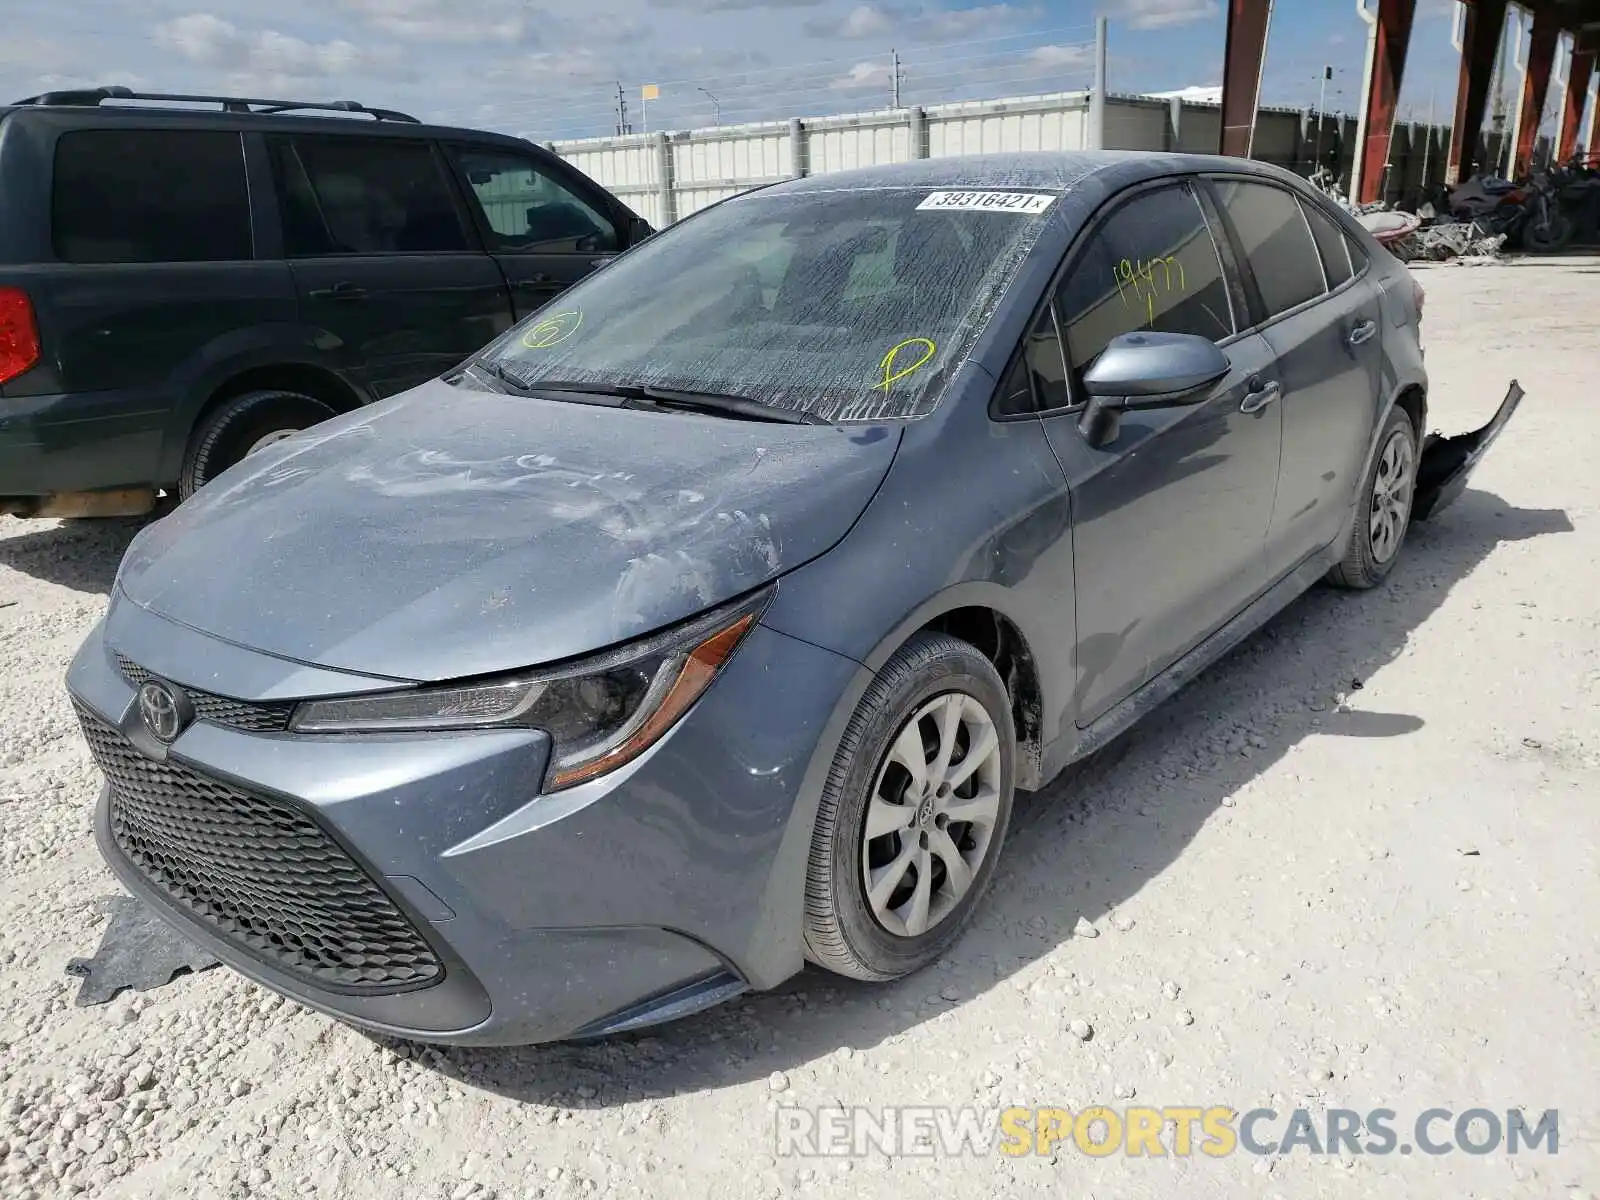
[(706, 622), (184, 279)]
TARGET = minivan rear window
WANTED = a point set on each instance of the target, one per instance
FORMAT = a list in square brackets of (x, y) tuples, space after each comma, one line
[(143, 195)]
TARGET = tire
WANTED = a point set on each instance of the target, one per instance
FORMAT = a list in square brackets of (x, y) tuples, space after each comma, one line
[(1369, 557), (243, 423), (929, 677), (1551, 237)]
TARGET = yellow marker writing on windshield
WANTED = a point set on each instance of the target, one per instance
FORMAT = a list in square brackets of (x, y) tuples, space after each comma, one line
[(555, 328), (891, 376)]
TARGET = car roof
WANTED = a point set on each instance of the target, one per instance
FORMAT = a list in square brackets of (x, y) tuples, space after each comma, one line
[(194, 117), (1053, 171)]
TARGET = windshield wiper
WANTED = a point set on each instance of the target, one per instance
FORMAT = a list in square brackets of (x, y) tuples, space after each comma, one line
[(497, 372), (644, 396)]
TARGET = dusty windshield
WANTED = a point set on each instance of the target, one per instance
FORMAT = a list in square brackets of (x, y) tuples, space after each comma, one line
[(851, 305)]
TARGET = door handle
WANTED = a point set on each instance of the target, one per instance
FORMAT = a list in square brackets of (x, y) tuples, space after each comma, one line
[(533, 283), (1363, 332), (1259, 396), (344, 290), (597, 263)]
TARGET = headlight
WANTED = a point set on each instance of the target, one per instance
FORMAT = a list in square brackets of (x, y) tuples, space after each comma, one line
[(599, 713)]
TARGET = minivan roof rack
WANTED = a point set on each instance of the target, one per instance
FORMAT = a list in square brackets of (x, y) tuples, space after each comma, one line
[(91, 97)]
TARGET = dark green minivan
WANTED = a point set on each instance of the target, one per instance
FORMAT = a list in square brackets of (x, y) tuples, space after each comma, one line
[(184, 279)]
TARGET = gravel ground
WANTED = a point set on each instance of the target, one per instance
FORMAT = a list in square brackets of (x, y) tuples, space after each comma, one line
[(1355, 865)]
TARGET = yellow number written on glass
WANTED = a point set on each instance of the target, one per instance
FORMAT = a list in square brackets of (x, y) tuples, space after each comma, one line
[(1146, 279)]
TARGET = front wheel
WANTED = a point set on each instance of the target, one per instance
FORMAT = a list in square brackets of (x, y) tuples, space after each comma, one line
[(913, 814), (1383, 510)]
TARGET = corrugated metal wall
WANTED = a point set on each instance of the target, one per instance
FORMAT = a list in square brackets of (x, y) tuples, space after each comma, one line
[(667, 176)]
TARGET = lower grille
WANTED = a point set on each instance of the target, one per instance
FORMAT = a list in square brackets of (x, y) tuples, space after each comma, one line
[(259, 717), (258, 872)]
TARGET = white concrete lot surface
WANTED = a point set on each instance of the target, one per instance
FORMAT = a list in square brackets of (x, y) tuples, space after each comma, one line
[(1303, 893)]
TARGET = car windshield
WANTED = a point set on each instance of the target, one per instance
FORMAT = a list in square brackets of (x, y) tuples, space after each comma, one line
[(850, 305)]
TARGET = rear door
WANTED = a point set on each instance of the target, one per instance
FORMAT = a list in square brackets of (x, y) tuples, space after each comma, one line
[(151, 261), (545, 226), (384, 259), (1169, 519), (1325, 328)]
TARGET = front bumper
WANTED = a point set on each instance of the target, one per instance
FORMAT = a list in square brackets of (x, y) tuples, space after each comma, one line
[(668, 885)]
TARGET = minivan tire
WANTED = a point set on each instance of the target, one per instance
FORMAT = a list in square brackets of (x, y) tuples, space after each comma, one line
[(842, 934), (1362, 567), (241, 423)]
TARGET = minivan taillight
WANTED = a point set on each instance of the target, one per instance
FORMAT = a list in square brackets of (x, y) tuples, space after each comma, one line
[(1418, 294), (19, 334)]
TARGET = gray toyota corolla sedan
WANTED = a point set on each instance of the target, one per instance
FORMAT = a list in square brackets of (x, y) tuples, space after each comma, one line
[(707, 622)]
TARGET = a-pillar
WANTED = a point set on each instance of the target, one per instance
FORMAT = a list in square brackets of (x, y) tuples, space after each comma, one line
[(1578, 77), (1483, 25), (1391, 36), (1242, 60), (1536, 84)]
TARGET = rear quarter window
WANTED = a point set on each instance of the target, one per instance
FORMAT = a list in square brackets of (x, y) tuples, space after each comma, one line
[(146, 196)]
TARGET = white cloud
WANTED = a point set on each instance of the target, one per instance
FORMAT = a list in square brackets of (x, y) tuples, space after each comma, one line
[(209, 41), (862, 75), (866, 21), (1157, 14), (1061, 56), (265, 61), (439, 21)]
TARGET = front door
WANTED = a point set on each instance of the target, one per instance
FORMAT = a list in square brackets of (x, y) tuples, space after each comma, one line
[(1170, 518), (384, 264), (539, 224)]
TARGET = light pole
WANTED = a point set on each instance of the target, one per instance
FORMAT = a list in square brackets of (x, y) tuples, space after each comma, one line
[(716, 107), (1322, 103)]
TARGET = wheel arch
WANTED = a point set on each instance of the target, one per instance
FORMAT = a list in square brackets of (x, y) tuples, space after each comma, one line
[(976, 613), (246, 361)]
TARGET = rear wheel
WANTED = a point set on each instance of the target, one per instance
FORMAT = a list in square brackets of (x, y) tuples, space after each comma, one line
[(242, 425), (1383, 513), (913, 814)]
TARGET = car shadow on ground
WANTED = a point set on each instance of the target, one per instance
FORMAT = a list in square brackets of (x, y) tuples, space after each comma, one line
[(81, 555), (1082, 847)]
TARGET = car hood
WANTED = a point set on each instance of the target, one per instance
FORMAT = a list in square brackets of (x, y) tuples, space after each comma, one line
[(447, 533)]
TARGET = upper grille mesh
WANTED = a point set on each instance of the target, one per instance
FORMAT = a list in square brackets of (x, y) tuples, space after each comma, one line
[(259, 872), (267, 717)]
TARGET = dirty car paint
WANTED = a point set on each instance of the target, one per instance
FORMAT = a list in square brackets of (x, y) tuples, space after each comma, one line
[(450, 533)]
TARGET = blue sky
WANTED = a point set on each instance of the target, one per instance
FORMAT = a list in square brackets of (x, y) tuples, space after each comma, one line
[(550, 70)]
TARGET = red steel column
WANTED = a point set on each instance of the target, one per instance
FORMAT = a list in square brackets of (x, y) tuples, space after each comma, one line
[(1392, 38), (1480, 41), (1577, 92), (1536, 87), (1242, 60)]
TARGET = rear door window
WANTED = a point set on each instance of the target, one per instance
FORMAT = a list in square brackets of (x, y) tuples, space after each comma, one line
[(147, 196), (1273, 232), (527, 209), (1331, 244), (1151, 265), (352, 195)]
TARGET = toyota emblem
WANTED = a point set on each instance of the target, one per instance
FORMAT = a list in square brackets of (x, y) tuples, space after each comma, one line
[(165, 709)]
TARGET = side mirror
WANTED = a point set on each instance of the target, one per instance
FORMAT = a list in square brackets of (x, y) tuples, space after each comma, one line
[(638, 230), (1147, 370)]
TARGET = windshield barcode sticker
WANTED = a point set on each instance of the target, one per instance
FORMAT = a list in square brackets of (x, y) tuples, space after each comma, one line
[(1026, 203)]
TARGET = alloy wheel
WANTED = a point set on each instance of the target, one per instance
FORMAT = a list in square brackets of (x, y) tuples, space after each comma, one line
[(931, 817), (268, 439), (1391, 496)]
